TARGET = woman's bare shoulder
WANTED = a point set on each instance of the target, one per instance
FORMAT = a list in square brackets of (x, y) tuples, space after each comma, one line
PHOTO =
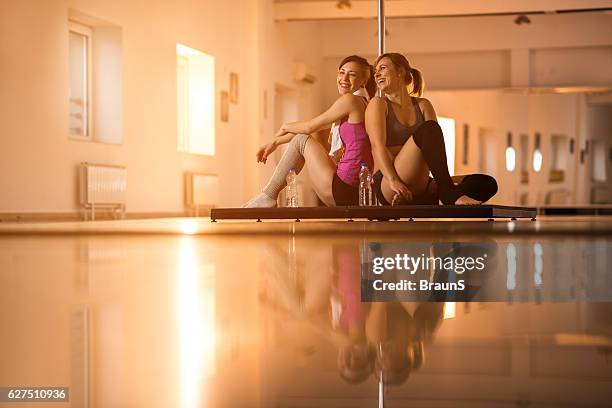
[(426, 107), (378, 102)]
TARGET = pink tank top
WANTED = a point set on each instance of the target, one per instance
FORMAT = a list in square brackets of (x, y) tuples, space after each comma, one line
[(349, 285), (357, 150)]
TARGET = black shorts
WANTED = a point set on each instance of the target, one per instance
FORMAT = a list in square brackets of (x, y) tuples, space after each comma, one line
[(344, 194)]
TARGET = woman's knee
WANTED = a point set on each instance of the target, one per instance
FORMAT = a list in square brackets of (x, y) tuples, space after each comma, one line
[(425, 131), (429, 126), (299, 141)]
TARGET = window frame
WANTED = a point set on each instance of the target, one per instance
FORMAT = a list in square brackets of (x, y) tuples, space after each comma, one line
[(87, 32)]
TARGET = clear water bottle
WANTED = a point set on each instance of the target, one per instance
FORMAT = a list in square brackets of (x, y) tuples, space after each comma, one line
[(365, 186), (292, 192)]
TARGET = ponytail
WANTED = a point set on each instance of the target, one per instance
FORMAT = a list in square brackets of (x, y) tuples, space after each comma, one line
[(418, 83)]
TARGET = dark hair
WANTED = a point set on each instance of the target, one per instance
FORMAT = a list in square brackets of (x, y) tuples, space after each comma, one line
[(412, 77), (404, 365), (370, 85), (359, 373)]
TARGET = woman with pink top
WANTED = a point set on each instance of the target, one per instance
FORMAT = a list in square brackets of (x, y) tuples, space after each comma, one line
[(334, 184)]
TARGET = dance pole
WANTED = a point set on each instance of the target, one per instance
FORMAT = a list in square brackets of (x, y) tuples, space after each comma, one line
[(381, 27), (381, 31), (381, 51)]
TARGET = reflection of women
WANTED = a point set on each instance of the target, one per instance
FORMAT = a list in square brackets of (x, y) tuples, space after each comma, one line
[(376, 337), (355, 357), (328, 303), (398, 331), (385, 337), (407, 143), (381, 337), (334, 184)]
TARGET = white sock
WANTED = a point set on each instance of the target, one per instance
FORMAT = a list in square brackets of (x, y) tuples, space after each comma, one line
[(293, 158), (261, 200)]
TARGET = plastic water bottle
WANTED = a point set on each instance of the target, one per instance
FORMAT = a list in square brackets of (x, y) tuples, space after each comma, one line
[(365, 186), (292, 192)]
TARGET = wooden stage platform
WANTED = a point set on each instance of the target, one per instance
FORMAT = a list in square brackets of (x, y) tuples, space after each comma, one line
[(379, 213)]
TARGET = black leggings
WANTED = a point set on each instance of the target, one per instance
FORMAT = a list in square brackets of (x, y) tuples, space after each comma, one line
[(430, 140), (480, 187)]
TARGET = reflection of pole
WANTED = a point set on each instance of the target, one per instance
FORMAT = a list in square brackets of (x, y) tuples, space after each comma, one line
[(381, 383), (381, 27), (292, 261)]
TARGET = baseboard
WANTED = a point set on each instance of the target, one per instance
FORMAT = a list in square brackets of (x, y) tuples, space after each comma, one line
[(101, 215)]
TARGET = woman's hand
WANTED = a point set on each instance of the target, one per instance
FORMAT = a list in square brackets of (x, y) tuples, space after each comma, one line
[(264, 151), (400, 190), (282, 131)]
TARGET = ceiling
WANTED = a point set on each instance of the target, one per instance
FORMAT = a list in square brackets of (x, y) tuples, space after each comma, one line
[(296, 10)]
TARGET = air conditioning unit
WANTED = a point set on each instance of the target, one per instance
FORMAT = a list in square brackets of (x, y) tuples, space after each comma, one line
[(302, 74)]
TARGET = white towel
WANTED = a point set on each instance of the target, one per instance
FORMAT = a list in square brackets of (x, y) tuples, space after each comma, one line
[(336, 142)]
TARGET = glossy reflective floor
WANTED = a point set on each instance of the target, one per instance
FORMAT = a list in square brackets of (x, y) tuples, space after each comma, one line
[(146, 314)]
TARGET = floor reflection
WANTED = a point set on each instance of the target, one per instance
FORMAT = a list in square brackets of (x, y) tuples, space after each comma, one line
[(277, 321)]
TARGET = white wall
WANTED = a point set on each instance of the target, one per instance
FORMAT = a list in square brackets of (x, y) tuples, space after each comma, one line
[(38, 161)]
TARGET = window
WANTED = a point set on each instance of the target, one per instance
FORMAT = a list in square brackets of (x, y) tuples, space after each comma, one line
[(195, 96), (448, 130), (80, 81), (95, 61)]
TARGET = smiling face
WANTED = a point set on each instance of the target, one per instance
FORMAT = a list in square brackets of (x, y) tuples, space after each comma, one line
[(351, 76), (389, 78)]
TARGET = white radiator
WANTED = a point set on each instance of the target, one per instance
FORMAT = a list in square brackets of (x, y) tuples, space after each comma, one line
[(102, 186), (201, 190)]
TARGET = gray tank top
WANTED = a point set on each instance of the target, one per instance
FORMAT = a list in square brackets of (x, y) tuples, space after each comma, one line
[(397, 132)]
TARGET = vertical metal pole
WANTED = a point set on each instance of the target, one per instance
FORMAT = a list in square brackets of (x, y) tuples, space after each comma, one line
[(381, 27), (381, 32), (381, 383), (381, 391)]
